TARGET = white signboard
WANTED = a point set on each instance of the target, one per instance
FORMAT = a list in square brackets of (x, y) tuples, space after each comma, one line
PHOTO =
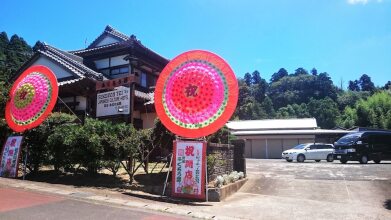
[(9, 160), (189, 169), (113, 103)]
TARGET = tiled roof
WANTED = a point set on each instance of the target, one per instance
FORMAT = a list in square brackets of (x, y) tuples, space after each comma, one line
[(69, 61), (109, 31), (95, 48), (125, 41), (149, 97)]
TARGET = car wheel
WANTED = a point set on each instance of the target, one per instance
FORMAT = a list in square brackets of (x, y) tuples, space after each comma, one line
[(317, 161), (300, 158), (363, 159), (343, 160), (330, 158), (377, 161), (288, 160)]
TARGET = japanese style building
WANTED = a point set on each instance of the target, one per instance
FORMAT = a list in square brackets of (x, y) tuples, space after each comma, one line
[(114, 77)]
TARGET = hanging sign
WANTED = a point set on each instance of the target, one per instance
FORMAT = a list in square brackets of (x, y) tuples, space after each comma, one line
[(188, 175), (9, 161), (113, 103), (112, 83)]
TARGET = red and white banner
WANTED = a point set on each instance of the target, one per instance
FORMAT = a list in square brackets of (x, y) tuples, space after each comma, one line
[(9, 160), (189, 164)]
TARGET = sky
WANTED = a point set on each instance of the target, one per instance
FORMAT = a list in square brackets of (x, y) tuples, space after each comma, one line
[(345, 38)]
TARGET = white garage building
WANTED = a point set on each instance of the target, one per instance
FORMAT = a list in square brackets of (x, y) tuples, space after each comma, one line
[(267, 139)]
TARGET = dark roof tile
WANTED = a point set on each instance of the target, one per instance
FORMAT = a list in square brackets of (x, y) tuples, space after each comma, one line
[(69, 61)]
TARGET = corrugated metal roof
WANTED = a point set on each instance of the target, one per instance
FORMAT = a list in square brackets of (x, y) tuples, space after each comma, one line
[(290, 132), (273, 124)]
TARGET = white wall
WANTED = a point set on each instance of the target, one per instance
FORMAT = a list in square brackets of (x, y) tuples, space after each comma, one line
[(107, 40), (272, 146), (58, 70), (118, 60)]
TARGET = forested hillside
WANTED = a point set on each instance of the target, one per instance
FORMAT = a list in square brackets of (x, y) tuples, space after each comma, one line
[(304, 94), (301, 94), (14, 52)]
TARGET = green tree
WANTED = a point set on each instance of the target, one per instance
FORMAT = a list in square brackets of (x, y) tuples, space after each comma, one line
[(251, 110), (314, 72), (4, 91), (387, 86), (18, 52), (244, 94), (300, 71), (89, 139), (293, 111), (300, 89), (375, 111), (258, 90), (267, 106), (350, 98), (36, 140), (248, 79), (354, 85), (281, 73), (325, 111), (348, 119), (256, 77), (4, 41), (366, 83), (120, 142)]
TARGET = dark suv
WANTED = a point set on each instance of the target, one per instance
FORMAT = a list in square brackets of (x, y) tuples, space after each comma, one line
[(364, 146)]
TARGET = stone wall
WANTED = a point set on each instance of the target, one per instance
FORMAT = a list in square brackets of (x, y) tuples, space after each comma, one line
[(224, 158)]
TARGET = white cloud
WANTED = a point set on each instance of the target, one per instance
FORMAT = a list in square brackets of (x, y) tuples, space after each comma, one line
[(354, 2), (363, 2)]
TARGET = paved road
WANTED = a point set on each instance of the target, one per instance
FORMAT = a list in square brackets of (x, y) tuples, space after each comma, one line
[(278, 189), (275, 189), (20, 204)]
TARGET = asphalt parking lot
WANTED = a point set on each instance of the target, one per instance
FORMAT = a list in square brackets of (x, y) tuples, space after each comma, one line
[(313, 190)]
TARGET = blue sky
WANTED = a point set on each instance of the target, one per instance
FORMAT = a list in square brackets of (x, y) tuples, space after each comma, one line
[(345, 38)]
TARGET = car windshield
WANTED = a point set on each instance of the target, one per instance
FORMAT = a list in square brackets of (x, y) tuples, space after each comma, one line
[(349, 139), (300, 146)]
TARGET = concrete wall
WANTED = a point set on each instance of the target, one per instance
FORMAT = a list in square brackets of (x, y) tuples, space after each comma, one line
[(271, 147)]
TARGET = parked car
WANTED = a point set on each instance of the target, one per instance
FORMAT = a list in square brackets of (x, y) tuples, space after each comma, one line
[(309, 151), (364, 146)]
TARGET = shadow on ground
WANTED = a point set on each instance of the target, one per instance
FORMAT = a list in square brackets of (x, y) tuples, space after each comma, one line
[(167, 199), (142, 182), (387, 204), (81, 179)]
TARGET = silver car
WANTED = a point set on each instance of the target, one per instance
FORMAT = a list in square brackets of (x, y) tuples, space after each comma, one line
[(309, 151)]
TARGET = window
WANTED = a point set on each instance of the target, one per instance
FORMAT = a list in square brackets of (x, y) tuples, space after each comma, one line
[(143, 80), (328, 147), (119, 70)]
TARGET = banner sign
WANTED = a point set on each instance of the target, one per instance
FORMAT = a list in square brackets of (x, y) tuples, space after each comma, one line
[(9, 161), (188, 174), (115, 102), (112, 83)]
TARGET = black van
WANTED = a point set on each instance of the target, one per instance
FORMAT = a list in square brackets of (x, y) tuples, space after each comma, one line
[(364, 146)]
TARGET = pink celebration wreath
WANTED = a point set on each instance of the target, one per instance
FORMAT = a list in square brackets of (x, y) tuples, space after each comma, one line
[(32, 98), (196, 94)]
